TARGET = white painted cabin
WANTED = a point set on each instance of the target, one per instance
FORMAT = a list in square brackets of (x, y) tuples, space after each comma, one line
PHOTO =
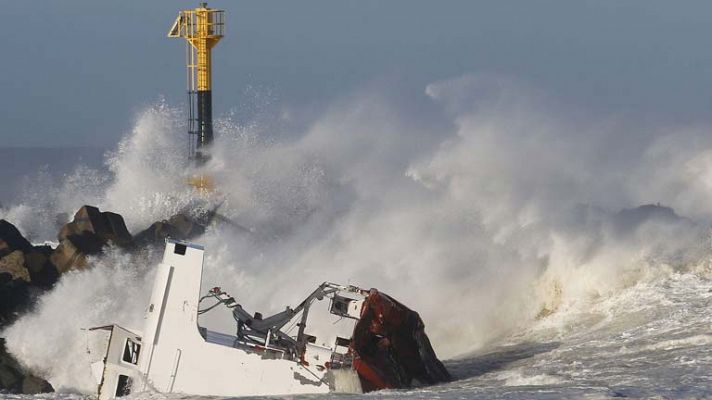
[(174, 355)]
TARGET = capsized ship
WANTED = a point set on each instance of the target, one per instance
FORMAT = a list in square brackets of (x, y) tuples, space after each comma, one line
[(341, 338)]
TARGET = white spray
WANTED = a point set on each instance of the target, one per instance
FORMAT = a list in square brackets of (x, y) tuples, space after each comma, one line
[(494, 214)]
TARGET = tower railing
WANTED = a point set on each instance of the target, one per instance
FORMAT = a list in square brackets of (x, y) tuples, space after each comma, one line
[(202, 28)]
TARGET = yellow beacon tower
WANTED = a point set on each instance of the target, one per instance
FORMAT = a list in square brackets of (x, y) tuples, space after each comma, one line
[(202, 28)]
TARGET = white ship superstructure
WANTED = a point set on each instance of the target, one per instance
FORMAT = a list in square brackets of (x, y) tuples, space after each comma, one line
[(175, 354)]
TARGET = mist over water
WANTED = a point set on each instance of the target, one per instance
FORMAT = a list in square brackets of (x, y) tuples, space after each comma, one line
[(495, 214)]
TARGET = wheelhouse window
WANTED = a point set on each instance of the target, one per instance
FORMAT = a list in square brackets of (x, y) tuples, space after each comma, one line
[(131, 352), (123, 386)]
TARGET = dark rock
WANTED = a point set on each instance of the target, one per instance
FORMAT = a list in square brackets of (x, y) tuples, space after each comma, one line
[(14, 297), (9, 378), (14, 264), (87, 234), (72, 252), (34, 385), (14, 379), (43, 249), (108, 226), (391, 348), (23, 261), (43, 273), (157, 233), (187, 226), (11, 239), (179, 226), (120, 234)]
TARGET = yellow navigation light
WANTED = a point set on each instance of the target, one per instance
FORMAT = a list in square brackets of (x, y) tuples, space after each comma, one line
[(203, 28), (202, 183)]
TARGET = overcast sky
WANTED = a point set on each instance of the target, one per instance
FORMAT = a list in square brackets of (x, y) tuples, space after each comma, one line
[(76, 72)]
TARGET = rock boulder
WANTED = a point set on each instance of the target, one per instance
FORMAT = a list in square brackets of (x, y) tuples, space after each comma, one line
[(180, 226), (14, 379), (73, 250), (87, 234), (14, 297), (43, 273), (108, 226), (22, 260), (11, 239), (14, 264)]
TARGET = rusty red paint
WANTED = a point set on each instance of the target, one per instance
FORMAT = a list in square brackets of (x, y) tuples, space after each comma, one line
[(390, 347)]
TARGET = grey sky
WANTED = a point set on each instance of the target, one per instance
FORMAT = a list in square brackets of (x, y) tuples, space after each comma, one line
[(75, 72)]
